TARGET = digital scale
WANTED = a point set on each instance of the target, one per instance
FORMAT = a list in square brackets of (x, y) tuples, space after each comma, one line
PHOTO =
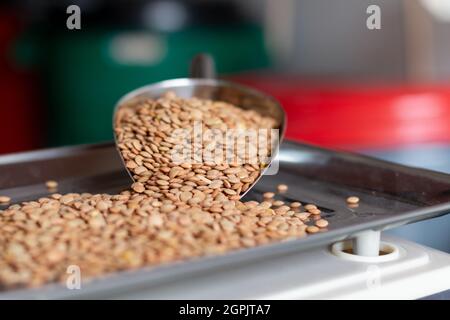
[(347, 261)]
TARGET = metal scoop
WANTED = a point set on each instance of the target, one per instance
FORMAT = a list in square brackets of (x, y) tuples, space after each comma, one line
[(202, 84)]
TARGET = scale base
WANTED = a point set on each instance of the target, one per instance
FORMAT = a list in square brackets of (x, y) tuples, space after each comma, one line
[(407, 271), (416, 272)]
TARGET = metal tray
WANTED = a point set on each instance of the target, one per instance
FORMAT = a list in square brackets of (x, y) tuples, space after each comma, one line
[(391, 195)]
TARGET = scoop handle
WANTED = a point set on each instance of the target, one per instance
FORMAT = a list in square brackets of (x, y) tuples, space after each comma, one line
[(203, 67)]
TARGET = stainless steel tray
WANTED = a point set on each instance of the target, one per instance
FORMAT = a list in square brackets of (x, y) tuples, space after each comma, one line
[(391, 195)]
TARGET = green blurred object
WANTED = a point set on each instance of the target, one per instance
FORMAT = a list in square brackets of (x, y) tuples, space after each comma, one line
[(87, 72)]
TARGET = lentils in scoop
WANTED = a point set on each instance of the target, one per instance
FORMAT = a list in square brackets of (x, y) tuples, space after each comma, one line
[(147, 138)]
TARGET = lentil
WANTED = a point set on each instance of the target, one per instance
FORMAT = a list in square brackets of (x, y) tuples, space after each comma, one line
[(278, 203), (314, 211), (302, 216), (310, 206), (138, 187), (353, 200), (268, 195), (51, 184), (312, 229), (295, 205), (322, 223), (5, 199)]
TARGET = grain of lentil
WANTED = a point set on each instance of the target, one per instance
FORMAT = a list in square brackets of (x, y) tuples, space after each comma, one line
[(303, 215), (295, 204), (312, 229), (268, 195), (315, 211), (51, 184), (138, 187), (5, 199), (310, 206), (322, 223), (353, 200)]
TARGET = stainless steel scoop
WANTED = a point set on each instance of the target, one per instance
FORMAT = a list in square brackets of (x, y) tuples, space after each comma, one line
[(202, 84)]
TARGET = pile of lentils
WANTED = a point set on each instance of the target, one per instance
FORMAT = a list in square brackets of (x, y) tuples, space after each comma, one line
[(171, 213), (145, 138)]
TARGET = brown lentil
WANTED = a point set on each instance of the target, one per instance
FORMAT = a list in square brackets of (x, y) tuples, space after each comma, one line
[(282, 188), (312, 229), (51, 184), (302, 215), (322, 223), (268, 195), (295, 204), (314, 211), (278, 203), (352, 200), (138, 187), (310, 206), (5, 199)]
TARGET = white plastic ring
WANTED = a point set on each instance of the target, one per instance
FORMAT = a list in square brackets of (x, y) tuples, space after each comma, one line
[(390, 252)]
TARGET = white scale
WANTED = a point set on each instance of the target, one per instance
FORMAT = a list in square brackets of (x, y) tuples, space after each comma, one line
[(406, 271)]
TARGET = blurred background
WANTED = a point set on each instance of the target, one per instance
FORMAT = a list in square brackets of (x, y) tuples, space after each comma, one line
[(383, 92)]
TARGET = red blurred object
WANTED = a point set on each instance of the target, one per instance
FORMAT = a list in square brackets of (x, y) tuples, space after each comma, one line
[(358, 117), (19, 114)]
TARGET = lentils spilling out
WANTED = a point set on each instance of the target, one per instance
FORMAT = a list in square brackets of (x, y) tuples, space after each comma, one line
[(172, 211)]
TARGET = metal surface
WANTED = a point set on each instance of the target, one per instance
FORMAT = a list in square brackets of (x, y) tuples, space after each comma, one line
[(202, 85), (390, 194)]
